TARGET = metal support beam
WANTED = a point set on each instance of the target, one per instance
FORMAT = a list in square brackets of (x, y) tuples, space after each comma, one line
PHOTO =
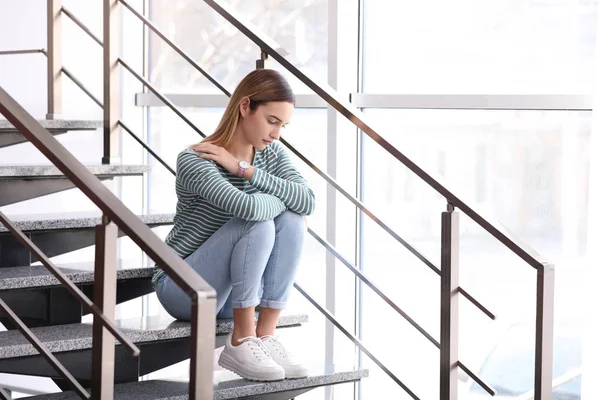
[(105, 297), (202, 346), (544, 332), (111, 81), (54, 36), (449, 306)]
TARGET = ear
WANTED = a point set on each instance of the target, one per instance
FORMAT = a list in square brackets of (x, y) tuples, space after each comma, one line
[(245, 106)]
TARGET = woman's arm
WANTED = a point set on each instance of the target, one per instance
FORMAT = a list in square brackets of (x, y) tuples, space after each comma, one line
[(201, 176), (285, 183)]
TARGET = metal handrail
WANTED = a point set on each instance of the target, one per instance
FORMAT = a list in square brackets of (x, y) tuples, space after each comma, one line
[(62, 278), (3, 394), (81, 86), (358, 118), (81, 25), (14, 52), (177, 49), (44, 351), (202, 295)]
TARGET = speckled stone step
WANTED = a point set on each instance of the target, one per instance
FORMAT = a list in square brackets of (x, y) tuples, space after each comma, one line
[(226, 386), (9, 135), (50, 171), (45, 222), (56, 125), (71, 337), (30, 277)]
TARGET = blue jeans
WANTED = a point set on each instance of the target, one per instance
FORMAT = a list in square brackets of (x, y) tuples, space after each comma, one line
[(248, 263)]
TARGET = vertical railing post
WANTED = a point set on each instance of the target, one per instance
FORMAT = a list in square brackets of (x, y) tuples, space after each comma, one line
[(54, 38), (202, 347), (105, 296), (111, 81), (544, 332), (449, 306), (263, 62)]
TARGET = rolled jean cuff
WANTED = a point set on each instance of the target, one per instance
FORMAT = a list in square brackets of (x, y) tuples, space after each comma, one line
[(246, 303), (279, 305)]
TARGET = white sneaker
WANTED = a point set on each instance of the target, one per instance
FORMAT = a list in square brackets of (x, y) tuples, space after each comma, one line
[(294, 369), (250, 360)]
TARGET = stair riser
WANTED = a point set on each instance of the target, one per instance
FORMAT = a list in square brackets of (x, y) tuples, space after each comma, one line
[(51, 242), (18, 189), (56, 306)]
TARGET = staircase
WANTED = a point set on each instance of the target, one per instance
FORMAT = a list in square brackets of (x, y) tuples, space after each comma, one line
[(55, 315)]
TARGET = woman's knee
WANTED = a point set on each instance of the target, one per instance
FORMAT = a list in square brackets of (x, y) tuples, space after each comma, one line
[(291, 222), (262, 232)]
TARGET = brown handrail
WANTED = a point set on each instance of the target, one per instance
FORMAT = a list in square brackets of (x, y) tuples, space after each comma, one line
[(62, 278), (91, 186), (358, 118)]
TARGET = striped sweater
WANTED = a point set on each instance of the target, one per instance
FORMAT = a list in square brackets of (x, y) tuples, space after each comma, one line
[(209, 196)]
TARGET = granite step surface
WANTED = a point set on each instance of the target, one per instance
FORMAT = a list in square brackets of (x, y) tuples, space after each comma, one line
[(50, 171), (226, 386), (56, 125), (76, 220), (38, 276), (9, 135), (72, 337)]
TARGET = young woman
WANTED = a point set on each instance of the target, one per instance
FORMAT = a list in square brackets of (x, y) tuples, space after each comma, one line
[(239, 224)]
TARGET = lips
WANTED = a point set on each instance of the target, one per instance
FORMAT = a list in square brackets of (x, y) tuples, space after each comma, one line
[(267, 141)]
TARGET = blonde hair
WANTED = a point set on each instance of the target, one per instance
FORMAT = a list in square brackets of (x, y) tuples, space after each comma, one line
[(260, 86)]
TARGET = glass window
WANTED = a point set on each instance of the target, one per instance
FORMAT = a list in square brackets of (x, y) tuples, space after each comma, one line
[(529, 170), (470, 46), (299, 26)]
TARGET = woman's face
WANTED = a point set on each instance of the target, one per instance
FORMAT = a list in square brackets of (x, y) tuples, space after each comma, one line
[(264, 125)]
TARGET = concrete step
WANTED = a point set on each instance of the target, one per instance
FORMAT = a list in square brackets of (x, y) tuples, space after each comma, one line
[(24, 182), (9, 135), (227, 386)]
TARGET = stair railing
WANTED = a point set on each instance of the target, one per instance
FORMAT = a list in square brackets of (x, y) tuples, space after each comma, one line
[(448, 271), (115, 213)]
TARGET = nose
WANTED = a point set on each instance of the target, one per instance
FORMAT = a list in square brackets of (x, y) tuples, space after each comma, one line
[(276, 133)]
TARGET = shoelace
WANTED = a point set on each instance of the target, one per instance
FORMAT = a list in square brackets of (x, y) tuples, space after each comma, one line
[(277, 344), (257, 347)]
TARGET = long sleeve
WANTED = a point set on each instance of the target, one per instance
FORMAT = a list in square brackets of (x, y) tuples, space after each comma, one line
[(202, 177), (285, 183)]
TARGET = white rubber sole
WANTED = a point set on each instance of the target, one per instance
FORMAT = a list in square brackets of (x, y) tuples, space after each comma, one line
[(229, 363)]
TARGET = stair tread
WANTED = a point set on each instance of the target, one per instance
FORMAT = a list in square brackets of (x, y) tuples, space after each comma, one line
[(70, 337), (49, 170), (57, 124), (76, 220), (39, 276), (226, 386)]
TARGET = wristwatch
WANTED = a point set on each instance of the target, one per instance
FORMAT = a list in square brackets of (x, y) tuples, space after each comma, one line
[(244, 165)]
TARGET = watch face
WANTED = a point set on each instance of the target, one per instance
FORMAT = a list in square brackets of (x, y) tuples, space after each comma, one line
[(244, 164)]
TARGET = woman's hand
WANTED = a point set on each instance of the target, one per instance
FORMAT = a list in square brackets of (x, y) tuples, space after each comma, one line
[(218, 154)]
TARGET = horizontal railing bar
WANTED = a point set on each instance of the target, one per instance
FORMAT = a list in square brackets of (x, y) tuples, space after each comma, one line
[(216, 100), (99, 194), (160, 96), (508, 102), (358, 119), (82, 87), (44, 351), (491, 391), (355, 340), (14, 52), (370, 284), (81, 25), (75, 291), (374, 287), (140, 141), (179, 51)]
